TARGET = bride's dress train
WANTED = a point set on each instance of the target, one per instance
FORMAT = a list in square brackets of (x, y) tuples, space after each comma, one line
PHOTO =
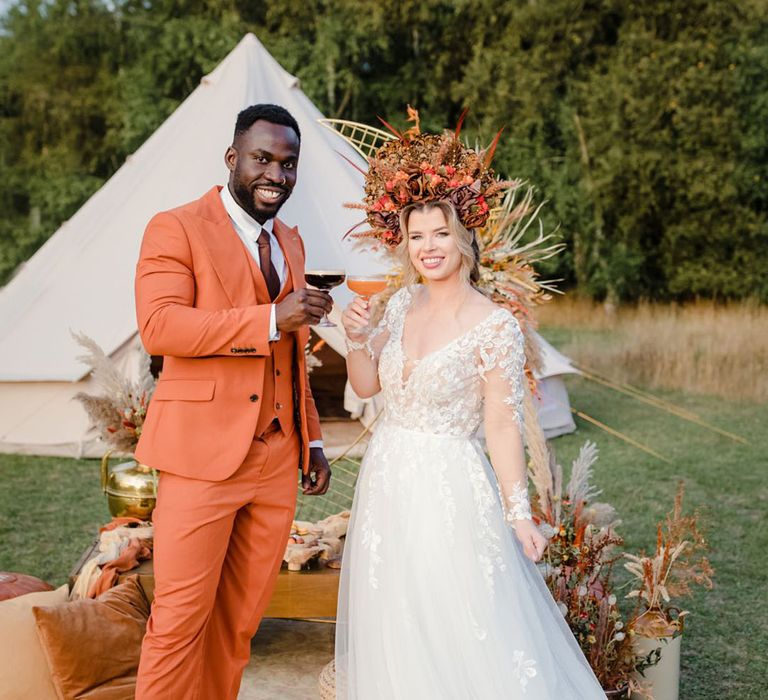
[(437, 600)]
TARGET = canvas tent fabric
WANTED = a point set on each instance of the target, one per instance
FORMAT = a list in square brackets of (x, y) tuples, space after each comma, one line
[(82, 278)]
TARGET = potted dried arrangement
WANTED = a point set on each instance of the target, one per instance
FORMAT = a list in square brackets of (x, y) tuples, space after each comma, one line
[(118, 414), (676, 565)]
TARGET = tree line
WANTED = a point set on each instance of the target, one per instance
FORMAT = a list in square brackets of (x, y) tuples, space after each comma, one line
[(643, 124)]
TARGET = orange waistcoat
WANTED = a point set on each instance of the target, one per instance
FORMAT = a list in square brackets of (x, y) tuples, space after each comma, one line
[(278, 390)]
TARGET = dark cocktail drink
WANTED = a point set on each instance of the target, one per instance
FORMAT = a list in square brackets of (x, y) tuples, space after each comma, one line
[(325, 280)]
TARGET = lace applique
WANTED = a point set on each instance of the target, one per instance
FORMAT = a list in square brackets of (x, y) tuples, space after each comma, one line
[(443, 391), (489, 556), (480, 633), (523, 668), (443, 394), (506, 350), (519, 507), (371, 539), (444, 489), (395, 310)]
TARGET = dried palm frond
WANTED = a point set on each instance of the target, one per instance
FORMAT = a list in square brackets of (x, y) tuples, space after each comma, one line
[(538, 452), (146, 382), (601, 515), (507, 264)]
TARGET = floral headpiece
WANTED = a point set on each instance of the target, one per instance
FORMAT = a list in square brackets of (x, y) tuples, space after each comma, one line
[(418, 167)]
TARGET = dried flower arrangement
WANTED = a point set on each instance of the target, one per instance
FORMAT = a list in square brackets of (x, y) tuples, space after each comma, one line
[(118, 413), (312, 360), (577, 567), (507, 264), (415, 167), (582, 551), (676, 565)]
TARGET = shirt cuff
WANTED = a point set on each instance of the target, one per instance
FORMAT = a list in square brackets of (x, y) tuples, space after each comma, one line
[(274, 334), (315, 443)]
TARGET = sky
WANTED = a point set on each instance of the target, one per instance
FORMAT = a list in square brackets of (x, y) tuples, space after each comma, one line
[(4, 5)]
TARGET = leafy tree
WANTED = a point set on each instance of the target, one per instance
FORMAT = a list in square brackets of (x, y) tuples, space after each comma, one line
[(642, 123)]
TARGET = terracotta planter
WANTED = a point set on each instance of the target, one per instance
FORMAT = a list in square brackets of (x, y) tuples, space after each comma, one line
[(664, 677)]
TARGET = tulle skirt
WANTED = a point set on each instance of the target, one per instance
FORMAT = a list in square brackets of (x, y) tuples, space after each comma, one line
[(437, 600)]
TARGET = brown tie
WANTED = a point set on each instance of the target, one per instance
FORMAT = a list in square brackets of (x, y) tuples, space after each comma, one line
[(267, 268)]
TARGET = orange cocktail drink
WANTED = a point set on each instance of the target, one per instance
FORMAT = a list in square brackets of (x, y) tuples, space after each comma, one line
[(367, 286)]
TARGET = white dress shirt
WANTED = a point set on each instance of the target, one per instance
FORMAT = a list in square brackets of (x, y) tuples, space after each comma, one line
[(249, 230)]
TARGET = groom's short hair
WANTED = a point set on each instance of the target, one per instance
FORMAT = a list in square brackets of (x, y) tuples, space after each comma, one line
[(275, 114)]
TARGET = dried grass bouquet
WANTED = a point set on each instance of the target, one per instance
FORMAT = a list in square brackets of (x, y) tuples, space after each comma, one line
[(119, 412)]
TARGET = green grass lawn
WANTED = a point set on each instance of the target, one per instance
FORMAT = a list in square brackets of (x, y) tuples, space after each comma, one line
[(726, 638), (51, 508)]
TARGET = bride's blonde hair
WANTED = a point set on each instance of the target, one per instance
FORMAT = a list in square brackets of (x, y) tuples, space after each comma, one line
[(465, 242)]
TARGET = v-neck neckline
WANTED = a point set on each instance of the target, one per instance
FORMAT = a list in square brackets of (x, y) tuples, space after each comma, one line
[(404, 356)]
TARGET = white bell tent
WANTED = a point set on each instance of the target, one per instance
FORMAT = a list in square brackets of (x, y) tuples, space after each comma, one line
[(82, 278)]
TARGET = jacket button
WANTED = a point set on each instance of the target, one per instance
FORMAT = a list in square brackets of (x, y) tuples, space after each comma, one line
[(254, 397), (278, 406), (277, 372)]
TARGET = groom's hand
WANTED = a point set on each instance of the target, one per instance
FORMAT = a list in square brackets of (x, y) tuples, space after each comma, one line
[(318, 480), (301, 308)]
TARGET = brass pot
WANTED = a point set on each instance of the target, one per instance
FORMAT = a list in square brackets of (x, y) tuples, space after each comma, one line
[(131, 488)]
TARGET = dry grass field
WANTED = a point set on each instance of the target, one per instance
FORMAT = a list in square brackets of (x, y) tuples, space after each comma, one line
[(698, 348)]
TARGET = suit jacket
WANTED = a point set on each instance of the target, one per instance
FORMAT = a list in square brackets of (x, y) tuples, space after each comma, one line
[(197, 304)]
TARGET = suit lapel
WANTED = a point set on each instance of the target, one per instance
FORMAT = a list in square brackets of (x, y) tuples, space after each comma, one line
[(229, 257), (239, 274)]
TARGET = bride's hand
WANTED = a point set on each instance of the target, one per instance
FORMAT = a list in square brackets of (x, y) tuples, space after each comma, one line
[(534, 543), (355, 319)]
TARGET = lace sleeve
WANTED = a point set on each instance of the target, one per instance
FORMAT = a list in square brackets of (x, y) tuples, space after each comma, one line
[(502, 359), (504, 353), (378, 337)]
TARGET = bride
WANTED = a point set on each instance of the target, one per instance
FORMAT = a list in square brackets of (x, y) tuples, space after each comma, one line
[(440, 597)]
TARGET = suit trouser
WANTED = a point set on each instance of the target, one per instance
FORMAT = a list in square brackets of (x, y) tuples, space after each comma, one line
[(217, 552)]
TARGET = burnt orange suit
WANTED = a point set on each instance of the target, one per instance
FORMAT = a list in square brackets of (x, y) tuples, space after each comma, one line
[(229, 424)]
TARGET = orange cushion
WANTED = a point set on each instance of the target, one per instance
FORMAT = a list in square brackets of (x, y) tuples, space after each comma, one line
[(23, 668), (93, 646)]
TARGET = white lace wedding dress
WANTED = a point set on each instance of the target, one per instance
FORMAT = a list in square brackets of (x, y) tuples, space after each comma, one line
[(437, 600)]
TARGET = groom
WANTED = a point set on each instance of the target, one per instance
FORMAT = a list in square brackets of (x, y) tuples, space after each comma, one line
[(220, 294)]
